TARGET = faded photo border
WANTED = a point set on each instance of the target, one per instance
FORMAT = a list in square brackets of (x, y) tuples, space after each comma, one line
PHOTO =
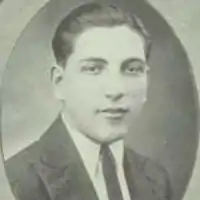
[(144, 152)]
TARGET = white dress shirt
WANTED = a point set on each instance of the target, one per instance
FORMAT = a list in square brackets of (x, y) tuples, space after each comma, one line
[(90, 155)]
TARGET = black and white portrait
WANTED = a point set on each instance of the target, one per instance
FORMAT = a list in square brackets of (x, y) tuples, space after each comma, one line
[(99, 103)]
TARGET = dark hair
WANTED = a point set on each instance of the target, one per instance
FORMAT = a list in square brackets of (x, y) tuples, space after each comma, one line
[(92, 15)]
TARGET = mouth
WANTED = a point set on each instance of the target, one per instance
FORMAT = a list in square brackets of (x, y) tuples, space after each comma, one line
[(114, 112)]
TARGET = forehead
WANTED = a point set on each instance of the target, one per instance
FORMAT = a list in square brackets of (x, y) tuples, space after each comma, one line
[(109, 43)]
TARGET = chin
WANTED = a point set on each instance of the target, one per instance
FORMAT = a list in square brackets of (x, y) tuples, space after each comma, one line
[(112, 137), (105, 134)]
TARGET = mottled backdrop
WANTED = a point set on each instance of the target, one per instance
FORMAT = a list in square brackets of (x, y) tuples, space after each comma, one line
[(183, 16)]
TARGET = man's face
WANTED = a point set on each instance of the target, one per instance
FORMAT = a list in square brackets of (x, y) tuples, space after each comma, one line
[(103, 86)]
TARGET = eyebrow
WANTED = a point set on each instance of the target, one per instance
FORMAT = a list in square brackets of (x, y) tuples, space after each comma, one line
[(129, 60), (94, 59)]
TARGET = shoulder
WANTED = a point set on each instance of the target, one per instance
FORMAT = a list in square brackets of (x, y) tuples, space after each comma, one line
[(21, 174), (152, 173), (20, 160), (32, 153), (22, 168)]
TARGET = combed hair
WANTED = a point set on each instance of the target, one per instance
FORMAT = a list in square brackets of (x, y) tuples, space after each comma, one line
[(88, 16)]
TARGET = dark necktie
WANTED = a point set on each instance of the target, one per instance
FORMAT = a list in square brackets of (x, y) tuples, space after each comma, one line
[(109, 172)]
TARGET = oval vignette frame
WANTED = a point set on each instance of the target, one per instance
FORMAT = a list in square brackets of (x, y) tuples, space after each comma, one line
[(173, 132)]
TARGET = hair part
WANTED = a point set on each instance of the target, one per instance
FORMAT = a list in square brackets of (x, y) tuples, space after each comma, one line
[(88, 16)]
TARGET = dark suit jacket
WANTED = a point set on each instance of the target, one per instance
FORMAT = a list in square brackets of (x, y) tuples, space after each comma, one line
[(51, 169)]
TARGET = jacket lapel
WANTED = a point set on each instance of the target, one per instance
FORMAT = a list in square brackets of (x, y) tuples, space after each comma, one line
[(61, 169), (142, 186)]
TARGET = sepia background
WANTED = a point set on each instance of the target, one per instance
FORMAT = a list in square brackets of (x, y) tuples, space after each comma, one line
[(181, 15)]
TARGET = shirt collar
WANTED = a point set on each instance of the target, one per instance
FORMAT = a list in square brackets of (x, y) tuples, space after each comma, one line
[(90, 151)]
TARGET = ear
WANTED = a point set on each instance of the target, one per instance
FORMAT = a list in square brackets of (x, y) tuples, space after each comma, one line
[(148, 71), (57, 76), (148, 74)]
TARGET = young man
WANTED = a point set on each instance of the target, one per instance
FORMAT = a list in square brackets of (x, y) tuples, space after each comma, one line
[(101, 80)]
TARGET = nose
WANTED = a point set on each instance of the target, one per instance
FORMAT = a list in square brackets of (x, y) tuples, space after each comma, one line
[(114, 90), (114, 96)]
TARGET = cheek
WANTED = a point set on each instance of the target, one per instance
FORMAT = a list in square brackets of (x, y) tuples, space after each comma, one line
[(137, 98), (81, 92), (137, 88)]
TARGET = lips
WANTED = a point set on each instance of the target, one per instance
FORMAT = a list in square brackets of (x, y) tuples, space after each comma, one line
[(114, 112)]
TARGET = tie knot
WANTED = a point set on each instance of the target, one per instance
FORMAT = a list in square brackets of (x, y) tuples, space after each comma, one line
[(107, 156), (104, 148)]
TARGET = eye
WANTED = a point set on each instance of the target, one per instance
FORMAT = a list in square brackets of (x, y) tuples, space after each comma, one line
[(134, 68), (92, 68)]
